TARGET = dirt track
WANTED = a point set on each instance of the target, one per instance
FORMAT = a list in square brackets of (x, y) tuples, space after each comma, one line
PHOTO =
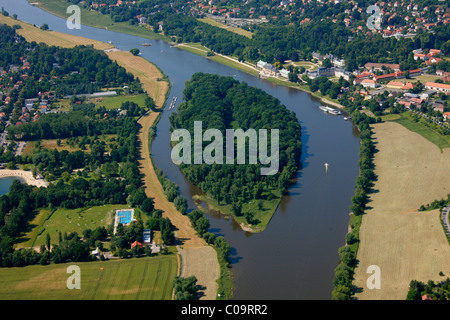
[(406, 244), (199, 259)]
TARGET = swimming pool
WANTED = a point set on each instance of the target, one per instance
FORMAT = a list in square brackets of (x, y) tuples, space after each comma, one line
[(125, 216)]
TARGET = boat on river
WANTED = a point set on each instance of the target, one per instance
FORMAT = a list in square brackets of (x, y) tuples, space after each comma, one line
[(330, 110), (172, 104)]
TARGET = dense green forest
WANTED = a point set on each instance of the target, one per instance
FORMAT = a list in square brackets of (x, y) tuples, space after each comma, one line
[(224, 103), (65, 71)]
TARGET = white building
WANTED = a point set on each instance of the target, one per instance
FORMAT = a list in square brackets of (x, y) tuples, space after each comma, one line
[(285, 73)]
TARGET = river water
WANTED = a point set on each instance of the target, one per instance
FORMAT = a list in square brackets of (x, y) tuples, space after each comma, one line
[(295, 257)]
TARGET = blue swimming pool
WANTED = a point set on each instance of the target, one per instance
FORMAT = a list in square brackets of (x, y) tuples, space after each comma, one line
[(125, 216)]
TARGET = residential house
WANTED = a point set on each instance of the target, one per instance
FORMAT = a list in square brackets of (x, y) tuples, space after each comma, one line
[(136, 243), (369, 83), (420, 56), (438, 107), (446, 116), (395, 85), (439, 87)]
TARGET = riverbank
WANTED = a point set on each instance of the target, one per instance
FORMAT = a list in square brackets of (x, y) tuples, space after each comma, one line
[(27, 176), (404, 243), (206, 269), (97, 20), (252, 70)]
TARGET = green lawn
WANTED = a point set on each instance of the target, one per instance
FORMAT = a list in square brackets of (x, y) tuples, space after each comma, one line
[(115, 102), (408, 122), (146, 278), (195, 48), (69, 220)]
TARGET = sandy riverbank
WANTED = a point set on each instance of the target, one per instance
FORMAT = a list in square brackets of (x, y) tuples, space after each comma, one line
[(25, 175)]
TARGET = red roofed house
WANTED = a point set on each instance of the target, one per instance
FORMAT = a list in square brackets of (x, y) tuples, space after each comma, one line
[(446, 116), (438, 87), (390, 76), (369, 83), (136, 243), (405, 103), (395, 84), (415, 72)]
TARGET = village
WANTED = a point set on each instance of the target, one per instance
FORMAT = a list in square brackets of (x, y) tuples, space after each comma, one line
[(410, 88), (412, 16)]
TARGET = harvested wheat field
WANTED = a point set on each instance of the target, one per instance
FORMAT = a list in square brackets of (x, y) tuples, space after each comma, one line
[(147, 73), (52, 38), (404, 243)]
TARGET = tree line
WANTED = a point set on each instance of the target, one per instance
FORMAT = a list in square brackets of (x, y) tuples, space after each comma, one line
[(343, 288)]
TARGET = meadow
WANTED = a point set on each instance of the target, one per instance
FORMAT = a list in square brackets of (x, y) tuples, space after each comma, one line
[(115, 102), (148, 278), (67, 220)]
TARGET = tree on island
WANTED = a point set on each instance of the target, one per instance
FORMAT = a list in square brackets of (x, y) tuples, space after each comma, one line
[(135, 51)]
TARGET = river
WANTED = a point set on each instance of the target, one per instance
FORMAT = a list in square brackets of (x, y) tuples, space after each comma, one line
[(295, 257)]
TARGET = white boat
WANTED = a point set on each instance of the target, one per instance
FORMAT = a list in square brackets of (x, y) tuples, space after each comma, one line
[(330, 110), (172, 104), (335, 112), (347, 118)]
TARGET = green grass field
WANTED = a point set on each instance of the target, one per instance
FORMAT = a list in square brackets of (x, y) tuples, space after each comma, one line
[(196, 48), (68, 220), (439, 140), (116, 101), (148, 278)]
